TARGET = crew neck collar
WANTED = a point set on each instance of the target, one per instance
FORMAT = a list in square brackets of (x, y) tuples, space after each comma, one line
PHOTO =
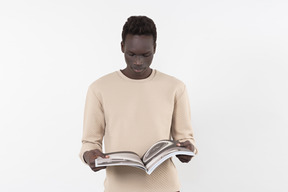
[(150, 77)]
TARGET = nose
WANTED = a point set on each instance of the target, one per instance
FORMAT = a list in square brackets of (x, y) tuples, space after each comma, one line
[(138, 60)]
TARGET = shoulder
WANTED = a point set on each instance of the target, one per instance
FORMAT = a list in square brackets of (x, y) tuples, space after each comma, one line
[(170, 80), (99, 85), (104, 80)]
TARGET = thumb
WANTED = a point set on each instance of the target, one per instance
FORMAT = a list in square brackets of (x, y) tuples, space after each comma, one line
[(103, 155)]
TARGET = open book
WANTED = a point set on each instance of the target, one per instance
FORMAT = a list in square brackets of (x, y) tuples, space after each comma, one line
[(152, 158)]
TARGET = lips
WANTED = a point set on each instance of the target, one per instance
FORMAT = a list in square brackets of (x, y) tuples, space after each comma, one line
[(137, 70)]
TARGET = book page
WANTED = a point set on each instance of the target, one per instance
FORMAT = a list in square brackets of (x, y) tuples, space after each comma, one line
[(157, 148), (166, 154), (162, 151), (122, 158)]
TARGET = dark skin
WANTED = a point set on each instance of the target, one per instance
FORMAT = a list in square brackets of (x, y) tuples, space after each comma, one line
[(138, 52), (90, 156), (188, 145)]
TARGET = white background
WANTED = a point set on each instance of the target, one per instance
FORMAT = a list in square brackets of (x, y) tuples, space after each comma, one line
[(232, 55)]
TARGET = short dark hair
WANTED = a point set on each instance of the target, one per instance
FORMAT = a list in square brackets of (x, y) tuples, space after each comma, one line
[(139, 25)]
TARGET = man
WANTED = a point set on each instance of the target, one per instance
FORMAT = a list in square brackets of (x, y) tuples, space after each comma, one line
[(133, 108)]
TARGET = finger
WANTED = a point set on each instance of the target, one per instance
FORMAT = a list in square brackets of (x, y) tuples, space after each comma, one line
[(97, 153), (100, 154), (184, 144), (184, 161), (92, 164), (103, 155), (184, 158), (98, 168)]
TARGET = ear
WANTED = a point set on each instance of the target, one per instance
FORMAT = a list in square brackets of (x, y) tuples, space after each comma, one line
[(155, 47), (122, 46)]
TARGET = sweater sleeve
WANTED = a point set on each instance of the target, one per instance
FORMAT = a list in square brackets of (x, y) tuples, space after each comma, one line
[(93, 124), (181, 120)]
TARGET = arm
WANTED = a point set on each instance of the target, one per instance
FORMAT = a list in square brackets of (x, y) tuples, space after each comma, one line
[(181, 123), (93, 130)]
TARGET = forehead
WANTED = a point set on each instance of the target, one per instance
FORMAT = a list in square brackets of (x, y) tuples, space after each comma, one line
[(139, 42)]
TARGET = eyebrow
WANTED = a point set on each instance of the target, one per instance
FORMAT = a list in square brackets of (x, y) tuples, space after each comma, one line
[(148, 52)]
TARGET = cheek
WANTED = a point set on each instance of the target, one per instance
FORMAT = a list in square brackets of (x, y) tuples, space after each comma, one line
[(149, 60), (128, 60)]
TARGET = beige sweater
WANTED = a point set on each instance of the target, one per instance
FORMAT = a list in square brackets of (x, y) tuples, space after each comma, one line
[(131, 115)]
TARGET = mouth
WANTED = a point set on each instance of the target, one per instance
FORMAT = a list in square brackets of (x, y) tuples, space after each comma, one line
[(138, 70)]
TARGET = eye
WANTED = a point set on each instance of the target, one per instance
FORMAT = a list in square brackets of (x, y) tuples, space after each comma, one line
[(131, 54), (147, 55)]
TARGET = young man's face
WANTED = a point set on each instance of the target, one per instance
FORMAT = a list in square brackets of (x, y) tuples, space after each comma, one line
[(138, 51)]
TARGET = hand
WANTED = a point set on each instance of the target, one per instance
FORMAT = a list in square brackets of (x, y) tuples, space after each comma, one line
[(90, 156), (188, 145)]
